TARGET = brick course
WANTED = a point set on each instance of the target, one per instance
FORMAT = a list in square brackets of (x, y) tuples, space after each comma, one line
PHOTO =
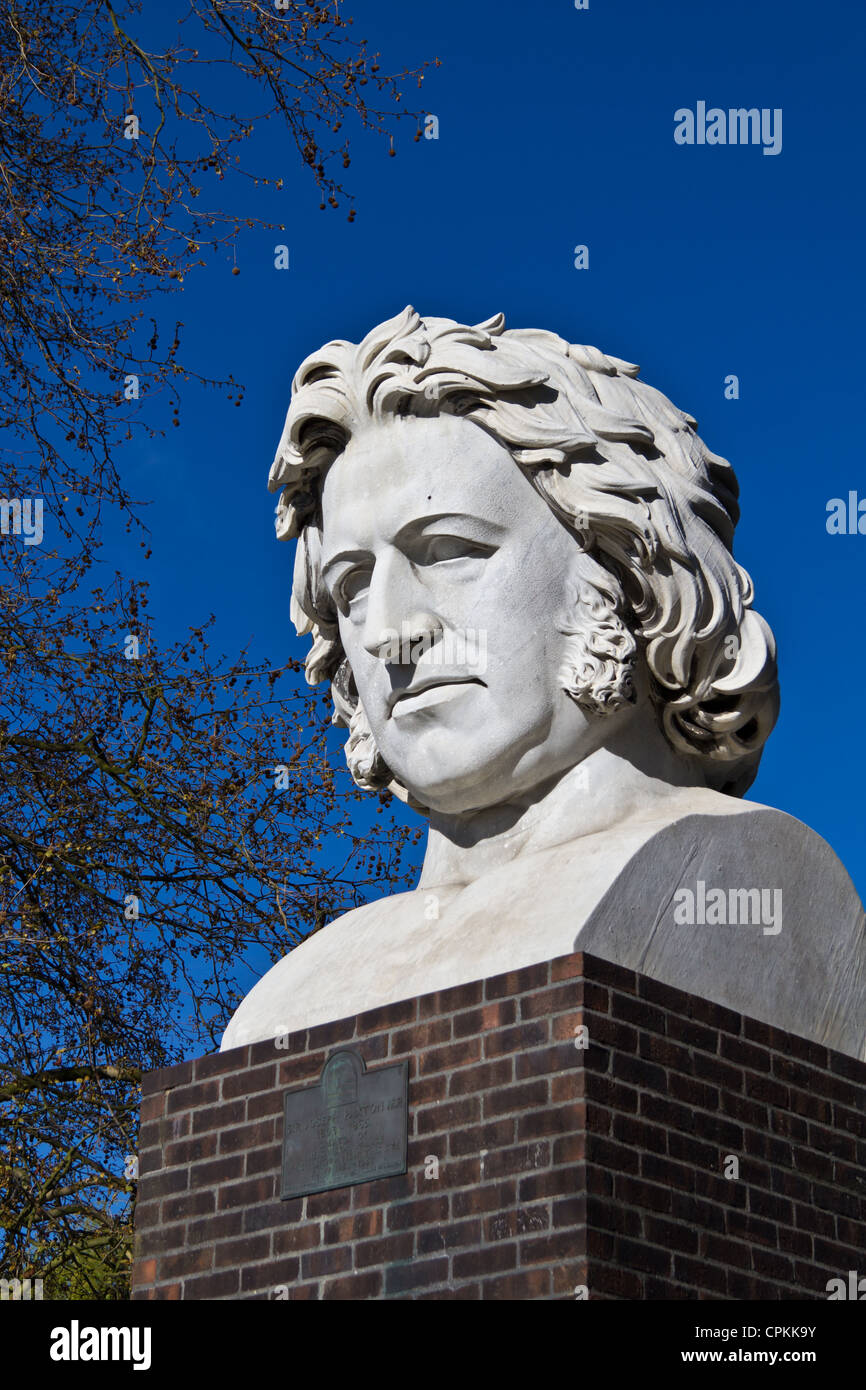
[(557, 1166)]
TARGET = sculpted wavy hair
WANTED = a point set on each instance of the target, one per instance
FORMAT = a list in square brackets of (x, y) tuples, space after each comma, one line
[(651, 507)]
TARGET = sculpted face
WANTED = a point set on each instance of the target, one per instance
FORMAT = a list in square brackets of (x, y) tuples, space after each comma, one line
[(431, 531)]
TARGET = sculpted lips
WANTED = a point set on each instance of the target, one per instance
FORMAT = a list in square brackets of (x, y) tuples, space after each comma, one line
[(423, 694)]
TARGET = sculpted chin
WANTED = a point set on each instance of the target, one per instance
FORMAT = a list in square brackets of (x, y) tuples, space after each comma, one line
[(514, 560)]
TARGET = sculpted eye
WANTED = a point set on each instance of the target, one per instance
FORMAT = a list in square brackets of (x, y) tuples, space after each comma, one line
[(352, 586), (439, 548)]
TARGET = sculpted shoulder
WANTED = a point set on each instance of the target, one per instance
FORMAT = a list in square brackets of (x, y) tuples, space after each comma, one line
[(745, 905), (306, 987), (766, 922)]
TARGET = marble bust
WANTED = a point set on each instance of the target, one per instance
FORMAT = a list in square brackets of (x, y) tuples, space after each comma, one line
[(514, 560)]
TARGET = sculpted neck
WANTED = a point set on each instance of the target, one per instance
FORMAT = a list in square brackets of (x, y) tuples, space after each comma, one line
[(610, 788)]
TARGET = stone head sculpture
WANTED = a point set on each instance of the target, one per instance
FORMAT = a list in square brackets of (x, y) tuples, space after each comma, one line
[(647, 510), (514, 560)]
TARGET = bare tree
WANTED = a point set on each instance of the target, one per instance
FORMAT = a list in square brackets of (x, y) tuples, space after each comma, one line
[(170, 822), (112, 152)]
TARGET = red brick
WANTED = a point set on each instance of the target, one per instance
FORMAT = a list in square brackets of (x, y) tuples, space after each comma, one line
[(482, 1077), (246, 1137), (372, 1194), (556, 1182), (188, 1204), (218, 1116), (333, 1259), (281, 1045), (218, 1225), (339, 1199), (520, 1221), (448, 1001), (672, 1235), (271, 1275), (354, 1286), (387, 1016), (503, 1100), (344, 1229), (221, 1284), (415, 1275), (266, 1215), (186, 1262), (267, 1160), (667, 1053), (520, 1158), (440, 1119), (308, 1291), (462, 1293), (157, 1185), (166, 1078), (557, 1166), (518, 981), (160, 1240), (474, 1201), (649, 1196), (145, 1272), (152, 1107), (744, 1054), (700, 1275), (571, 1211), (424, 1090), (692, 1033), (455, 1054), (191, 1150), (560, 1119), (384, 1249), (433, 1240), (527, 1284), (342, 1030), (245, 1250), (221, 1063), (557, 1059), (490, 1259), (723, 1251), (481, 1020), (494, 1135), (301, 1069), (606, 973), (216, 1171), (422, 1035), (566, 968), (423, 1211), (296, 1238), (247, 1083), (640, 1012), (245, 1193), (192, 1096)]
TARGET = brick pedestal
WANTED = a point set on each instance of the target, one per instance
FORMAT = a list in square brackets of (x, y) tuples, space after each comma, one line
[(535, 1166)]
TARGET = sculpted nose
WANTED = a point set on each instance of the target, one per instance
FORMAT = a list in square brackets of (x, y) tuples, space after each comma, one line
[(393, 625), (402, 645), (383, 604), (423, 631)]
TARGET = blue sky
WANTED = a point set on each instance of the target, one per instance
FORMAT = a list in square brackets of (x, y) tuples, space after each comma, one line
[(556, 128)]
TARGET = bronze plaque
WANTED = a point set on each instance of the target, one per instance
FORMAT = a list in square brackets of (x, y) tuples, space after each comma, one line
[(351, 1127)]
